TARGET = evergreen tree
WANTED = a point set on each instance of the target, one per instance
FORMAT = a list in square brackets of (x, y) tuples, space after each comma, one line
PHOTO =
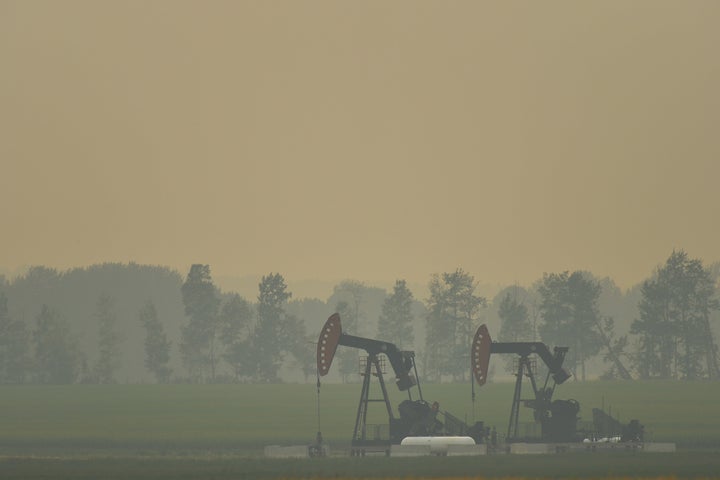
[(57, 359), (199, 336), (396, 320), (157, 345)]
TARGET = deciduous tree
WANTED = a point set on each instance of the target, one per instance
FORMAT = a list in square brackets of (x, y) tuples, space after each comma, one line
[(515, 325), (14, 346), (268, 341), (347, 357), (453, 314), (675, 336), (108, 340), (236, 318), (57, 358), (157, 345), (300, 346), (396, 320), (570, 317), (351, 293)]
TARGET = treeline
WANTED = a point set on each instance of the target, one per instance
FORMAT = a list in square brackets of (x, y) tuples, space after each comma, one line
[(669, 334), (136, 323), (59, 324), (116, 323)]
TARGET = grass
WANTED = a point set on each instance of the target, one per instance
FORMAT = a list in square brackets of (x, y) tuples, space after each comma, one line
[(590, 465), (176, 417), (217, 431)]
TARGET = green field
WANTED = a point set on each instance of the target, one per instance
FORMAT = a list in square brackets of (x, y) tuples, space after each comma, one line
[(616, 466), (218, 431), (158, 417)]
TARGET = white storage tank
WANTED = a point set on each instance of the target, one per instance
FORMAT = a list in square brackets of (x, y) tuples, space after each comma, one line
[(438, 444)]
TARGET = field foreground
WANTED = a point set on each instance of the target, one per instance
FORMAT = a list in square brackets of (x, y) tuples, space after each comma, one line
[(683, 465), (168, 418), (218, 431)]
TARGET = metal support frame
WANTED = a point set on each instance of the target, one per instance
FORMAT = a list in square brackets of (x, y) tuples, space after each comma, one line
[(481, 349), (403, 366), (360, 432), (513, 424)]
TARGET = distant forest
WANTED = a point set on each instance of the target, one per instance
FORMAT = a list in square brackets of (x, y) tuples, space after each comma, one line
[(130, 323)]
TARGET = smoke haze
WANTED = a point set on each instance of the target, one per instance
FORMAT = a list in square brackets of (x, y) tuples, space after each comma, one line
[(367, 140)]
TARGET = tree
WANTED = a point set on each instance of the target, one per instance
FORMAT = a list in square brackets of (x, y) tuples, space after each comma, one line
[(570, 316), (347, 357), (355, 302), (157, 345), (269, 342), (351, 294), (614, 306), (75, 293), (235, 318), (675, 336), (301, 346), (525, 330), (515, 325), (615, 350), (57, 358), (108, 340), (14, 345), (396, 320), (453, 312), (199, 336)]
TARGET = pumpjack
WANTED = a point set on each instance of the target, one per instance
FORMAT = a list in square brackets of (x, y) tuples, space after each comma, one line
[(417, 417), (609, 428), (558, 418)]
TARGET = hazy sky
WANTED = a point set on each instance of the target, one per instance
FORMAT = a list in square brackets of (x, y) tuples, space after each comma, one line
[(371, 140)]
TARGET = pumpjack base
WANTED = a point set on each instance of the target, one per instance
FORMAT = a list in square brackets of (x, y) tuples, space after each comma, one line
[(370, 447)]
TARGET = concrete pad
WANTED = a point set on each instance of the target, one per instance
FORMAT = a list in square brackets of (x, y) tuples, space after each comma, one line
[(530, 448)]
